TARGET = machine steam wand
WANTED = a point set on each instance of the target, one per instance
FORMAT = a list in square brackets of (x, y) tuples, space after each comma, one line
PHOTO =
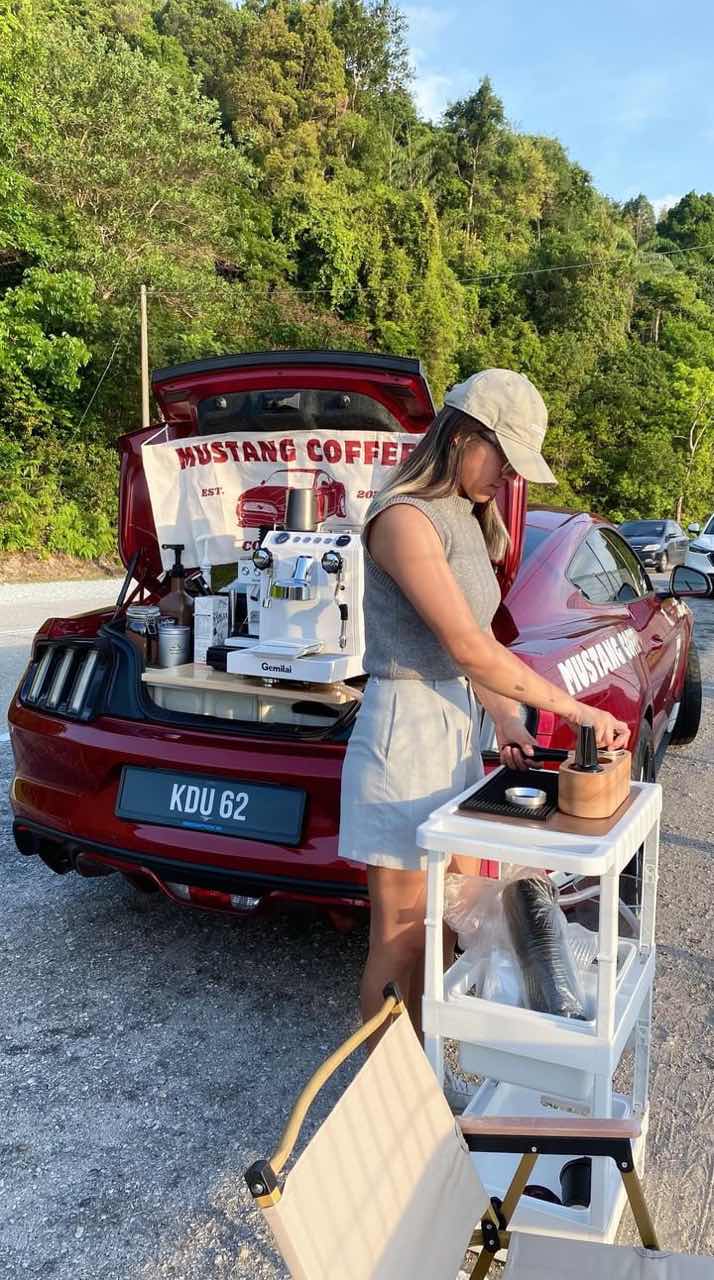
[(332, 562)]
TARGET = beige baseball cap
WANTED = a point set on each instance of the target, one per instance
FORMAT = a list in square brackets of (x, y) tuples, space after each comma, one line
[(509, 405)]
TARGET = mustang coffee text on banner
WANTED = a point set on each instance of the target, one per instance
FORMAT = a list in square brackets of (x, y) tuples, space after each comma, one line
[(214, 494)]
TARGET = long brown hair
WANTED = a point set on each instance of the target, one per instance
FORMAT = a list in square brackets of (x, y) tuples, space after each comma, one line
[(432, 470)]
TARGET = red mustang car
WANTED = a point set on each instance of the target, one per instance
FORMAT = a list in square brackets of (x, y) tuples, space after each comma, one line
[(98, 763), (266, 503)]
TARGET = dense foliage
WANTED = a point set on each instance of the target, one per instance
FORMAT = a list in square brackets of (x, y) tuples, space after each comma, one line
[(263, 169)]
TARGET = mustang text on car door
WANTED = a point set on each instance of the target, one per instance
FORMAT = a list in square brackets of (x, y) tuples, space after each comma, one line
[(586, 668)]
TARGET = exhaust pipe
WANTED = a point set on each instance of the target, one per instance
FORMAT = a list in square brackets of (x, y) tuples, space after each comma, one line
[(86, 865)]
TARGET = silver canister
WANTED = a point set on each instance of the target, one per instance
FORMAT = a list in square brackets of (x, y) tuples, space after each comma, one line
[(302, 510), (174, 644)]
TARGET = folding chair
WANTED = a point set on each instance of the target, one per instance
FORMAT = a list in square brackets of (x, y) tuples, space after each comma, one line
[(386, 1189)]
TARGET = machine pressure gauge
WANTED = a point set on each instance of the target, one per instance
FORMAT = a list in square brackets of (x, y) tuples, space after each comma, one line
[(332, 562)]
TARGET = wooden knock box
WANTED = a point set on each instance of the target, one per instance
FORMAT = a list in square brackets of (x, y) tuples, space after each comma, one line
[(595, 792)]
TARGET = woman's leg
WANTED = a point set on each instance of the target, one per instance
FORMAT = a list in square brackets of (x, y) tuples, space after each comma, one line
[(462, 866), (396, 940)]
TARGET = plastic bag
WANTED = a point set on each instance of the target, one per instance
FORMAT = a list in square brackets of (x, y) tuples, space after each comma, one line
[(539, 936), (516, 938)]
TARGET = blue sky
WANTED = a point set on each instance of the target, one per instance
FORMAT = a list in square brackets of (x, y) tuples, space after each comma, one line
[(627, 87)]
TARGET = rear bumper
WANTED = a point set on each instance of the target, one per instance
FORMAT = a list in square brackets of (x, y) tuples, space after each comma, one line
[(648, 557), (73, 853), (64, 796)]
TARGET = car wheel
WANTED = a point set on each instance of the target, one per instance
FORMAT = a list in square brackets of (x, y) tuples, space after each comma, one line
[(644, 765), (663, 563), (690, 708)]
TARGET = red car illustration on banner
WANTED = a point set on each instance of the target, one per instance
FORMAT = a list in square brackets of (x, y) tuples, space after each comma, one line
[(239, 810), (266, 503)]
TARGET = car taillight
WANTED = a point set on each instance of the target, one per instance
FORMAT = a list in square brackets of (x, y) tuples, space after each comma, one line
[(64, 680), (213, 899)]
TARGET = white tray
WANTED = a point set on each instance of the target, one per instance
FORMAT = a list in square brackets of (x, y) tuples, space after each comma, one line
[(591, 848), (539, 1050)]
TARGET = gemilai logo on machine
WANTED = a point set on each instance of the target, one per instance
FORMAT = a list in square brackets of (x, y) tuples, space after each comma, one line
[(285, 668)]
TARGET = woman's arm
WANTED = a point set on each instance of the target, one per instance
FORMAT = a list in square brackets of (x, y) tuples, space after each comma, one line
[(405, 544), (514, 741)]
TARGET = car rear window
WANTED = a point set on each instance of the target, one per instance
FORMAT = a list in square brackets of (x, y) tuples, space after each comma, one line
[(650, 528), (296, 409)]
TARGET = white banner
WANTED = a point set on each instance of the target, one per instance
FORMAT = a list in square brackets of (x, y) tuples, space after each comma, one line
[(214, 493)]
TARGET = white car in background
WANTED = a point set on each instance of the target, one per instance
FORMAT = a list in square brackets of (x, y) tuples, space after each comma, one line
[(700, 553)]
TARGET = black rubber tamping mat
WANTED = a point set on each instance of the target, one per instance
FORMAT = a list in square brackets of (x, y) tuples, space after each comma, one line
[(491, 798)]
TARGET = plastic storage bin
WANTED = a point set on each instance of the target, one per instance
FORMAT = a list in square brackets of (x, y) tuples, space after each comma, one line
[(532, 1055)]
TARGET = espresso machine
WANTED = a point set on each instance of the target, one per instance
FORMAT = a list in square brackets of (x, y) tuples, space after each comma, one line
[(311, 582)]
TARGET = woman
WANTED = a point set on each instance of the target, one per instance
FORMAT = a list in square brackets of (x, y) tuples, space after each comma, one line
[(431, 538)]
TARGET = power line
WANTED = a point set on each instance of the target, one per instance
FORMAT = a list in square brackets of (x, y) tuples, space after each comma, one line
[(108, 364), (315, 291), (576, 266)]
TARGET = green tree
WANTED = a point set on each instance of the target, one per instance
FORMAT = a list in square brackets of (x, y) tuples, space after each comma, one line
[(639, 216), (694, 389)]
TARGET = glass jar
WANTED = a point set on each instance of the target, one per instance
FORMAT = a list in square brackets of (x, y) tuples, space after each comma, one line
[(142, 628)]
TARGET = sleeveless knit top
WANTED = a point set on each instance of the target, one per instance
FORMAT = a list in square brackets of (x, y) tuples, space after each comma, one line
[(398, 644)]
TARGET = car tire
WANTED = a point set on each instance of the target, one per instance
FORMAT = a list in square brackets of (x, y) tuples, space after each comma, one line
[(663, 563), (644, 765), (690, 708)]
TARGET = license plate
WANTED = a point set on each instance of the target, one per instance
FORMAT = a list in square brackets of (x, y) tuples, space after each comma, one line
[(226, 806)]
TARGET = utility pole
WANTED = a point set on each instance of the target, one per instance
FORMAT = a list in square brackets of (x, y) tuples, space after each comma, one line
[(145, 413)]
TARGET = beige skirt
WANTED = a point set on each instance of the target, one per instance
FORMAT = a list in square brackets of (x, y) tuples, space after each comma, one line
[(415, 744)]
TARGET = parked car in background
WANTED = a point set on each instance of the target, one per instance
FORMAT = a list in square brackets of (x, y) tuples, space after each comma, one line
[(659, 543), (700, 552)]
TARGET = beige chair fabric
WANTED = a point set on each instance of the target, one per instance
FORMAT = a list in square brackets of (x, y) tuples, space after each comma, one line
[(548, 1258), (385, 1190)]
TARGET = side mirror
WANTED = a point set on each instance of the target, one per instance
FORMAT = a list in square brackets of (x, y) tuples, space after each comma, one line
[(694, 529), (686, 582)]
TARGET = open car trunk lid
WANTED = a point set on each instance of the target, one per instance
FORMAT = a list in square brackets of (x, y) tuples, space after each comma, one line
[(264, 390)]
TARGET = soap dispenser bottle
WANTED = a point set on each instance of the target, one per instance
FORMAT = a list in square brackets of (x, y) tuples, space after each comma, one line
[(177, 603)]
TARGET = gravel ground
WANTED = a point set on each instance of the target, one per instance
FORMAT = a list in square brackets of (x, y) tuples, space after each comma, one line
[(150, 1054)]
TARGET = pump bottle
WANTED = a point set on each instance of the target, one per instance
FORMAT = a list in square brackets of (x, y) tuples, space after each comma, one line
[(177, 603)]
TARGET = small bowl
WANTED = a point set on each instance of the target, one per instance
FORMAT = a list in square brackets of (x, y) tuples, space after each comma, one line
[(526, 797)]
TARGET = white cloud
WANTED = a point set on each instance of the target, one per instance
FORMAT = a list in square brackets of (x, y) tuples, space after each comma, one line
[(432, 89), (432, 93), (662, 203), (427, 20)]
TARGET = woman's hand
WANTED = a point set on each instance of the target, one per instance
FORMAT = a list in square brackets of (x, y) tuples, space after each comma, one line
[(610, 734), (515, 743)]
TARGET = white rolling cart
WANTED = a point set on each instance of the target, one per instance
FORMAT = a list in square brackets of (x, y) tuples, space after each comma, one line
[(530, 1061)]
